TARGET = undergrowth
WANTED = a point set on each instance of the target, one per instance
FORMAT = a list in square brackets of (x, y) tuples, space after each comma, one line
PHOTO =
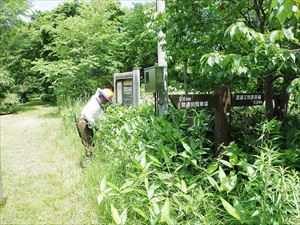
[(159, 170)]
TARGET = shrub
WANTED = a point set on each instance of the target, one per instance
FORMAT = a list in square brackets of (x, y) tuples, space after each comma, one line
[(9, 103), (48, 98), (159, 170), (8, 100)]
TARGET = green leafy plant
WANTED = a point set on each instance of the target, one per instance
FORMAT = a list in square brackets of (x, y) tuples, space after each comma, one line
[(158, 170)]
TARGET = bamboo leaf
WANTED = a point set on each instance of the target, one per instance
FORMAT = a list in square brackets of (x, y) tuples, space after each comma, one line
[(274, 35), (183, 186), (230, 209), (124, 217), (256, 213), (151, 190), (226, 163), (222, 174), (213, 183), (212, 168), (229, 183), (115, 215), (186, 147), (211, 61), (143, 161), (140, 212), (273, 4), (100, 198), (288, 33), (102, 185), (165, 213)]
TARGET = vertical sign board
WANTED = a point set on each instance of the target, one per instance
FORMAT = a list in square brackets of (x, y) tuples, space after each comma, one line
[(118, 92), (127, 88), (128, 92)]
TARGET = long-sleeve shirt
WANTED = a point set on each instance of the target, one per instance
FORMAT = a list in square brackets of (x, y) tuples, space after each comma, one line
[(93, 109)]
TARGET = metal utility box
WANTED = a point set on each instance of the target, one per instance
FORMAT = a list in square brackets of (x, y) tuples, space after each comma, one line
[(153, 77)]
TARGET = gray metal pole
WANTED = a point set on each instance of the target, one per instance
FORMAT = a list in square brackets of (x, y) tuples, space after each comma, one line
[(1, 184), (1, 187), (162, 61)]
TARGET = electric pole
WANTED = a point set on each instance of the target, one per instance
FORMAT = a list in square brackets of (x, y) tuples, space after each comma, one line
[(162, 61), (2, 199)]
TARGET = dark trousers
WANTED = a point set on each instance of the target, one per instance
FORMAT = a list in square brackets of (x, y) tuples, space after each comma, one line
[(86, 135)]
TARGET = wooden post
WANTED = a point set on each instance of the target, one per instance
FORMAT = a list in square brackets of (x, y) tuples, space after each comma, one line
[(269, 95), (185, 68), (222, 117)]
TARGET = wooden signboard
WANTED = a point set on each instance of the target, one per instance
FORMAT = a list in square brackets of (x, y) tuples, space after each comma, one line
[(247, 99), (221, 102), (192, 101)]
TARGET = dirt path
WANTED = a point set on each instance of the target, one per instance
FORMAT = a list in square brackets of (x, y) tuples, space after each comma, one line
[(41, 176)]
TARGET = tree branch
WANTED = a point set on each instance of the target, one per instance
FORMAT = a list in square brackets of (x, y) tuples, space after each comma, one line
[(261, 2), (247, 20), (260, 18)]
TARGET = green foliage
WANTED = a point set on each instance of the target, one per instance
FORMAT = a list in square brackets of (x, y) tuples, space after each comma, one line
[(75, 48), (294, 90), (266, 51), (6, 82), (79, 46), (285, 10), (9, 12), (284, 137), (158, 170), (8, 103), (8, 100), (10, 23), (139, 42), (193, 28)]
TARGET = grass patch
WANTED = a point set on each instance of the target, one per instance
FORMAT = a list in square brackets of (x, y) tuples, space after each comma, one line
[(33, 104), (41, 173)]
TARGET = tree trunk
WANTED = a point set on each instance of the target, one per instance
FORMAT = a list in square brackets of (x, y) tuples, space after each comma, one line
[(282, 100), (185, 62), (269, 94)]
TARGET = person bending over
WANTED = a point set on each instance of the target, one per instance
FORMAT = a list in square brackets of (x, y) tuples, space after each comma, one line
[(92, 111)]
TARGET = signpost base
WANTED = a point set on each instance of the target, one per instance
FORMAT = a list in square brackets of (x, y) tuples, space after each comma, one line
[(222, 117)]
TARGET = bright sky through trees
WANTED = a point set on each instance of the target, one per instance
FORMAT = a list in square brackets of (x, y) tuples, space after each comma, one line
[(44, 5)]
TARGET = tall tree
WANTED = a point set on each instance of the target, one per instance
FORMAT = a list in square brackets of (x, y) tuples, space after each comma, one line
[(139, 43), (272, 49), (10, 22), (79, 48)]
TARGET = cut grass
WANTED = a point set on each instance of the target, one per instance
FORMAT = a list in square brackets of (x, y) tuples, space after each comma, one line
[(41, 174)]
